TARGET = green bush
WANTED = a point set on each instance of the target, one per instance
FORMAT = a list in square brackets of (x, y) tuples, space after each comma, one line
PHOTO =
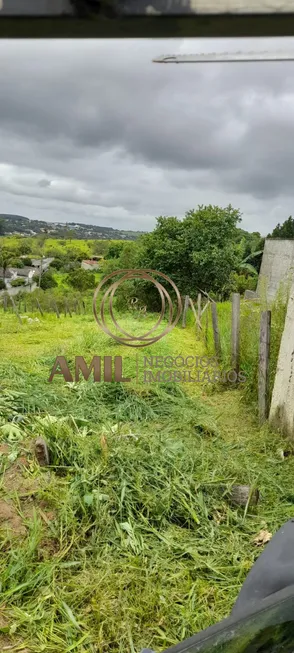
[(17, 282), (48, 281), (242, 282), (70, 266), (25, 246), (114, 250), (27, 261), (16, 263), (57, 264), (2, 284), (81, 279)]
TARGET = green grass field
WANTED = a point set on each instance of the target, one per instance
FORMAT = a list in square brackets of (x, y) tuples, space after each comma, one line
[(56, 246), (128, 539)]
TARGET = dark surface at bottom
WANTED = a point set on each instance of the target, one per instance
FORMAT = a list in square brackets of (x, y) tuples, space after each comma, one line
[(205, 26), (262, 619)]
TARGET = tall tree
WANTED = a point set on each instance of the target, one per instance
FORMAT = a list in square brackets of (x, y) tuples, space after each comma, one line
[(286, 230), (6, 257), (199, 251), (250, 249)]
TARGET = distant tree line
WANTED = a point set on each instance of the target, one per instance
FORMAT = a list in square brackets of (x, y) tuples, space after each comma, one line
[(285, 230)]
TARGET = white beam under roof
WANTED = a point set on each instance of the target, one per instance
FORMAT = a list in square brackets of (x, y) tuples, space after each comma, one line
[(240, 6), (208, 7), (226, 56)]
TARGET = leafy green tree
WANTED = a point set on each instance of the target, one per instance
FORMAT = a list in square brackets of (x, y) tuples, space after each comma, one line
[(286, 230), (2, 227), (114, 250), (27, 261), (100, 247), (81, 279), (68, 234), (25, 246), (129, 255), (16, 263), (47, 280), (6, 256), (17, 282), (74, 253), (57, 264), (242, 282), (250, 250), (70, 266), (128, 259), (199, 251), (41, 239), (2, 284)]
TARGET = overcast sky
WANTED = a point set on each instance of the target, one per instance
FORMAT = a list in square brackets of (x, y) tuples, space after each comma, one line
[(94, 132)]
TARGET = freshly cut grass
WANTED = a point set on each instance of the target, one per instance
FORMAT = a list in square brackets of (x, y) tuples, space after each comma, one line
[(143, 547)]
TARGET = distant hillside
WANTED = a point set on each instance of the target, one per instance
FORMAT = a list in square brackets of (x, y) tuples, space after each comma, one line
[(18, 224)]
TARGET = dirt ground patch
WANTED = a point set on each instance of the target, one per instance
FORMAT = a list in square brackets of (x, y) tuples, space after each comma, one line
[(16, 480), (6, 643), (10, 520), (8, 646)]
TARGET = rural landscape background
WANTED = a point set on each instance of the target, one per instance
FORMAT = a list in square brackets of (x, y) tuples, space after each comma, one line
[(128, 537)]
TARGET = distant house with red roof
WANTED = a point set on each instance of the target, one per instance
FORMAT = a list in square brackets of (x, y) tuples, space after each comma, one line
[(90, 264)]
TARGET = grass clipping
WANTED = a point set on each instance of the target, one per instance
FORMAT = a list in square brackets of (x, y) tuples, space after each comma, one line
[(144, 549)]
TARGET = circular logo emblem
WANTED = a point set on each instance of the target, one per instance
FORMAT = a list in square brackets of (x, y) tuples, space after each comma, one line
[(149, 337)]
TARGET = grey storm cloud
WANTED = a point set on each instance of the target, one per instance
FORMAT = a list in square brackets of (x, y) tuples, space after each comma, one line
[(44, 183), (96, 130)]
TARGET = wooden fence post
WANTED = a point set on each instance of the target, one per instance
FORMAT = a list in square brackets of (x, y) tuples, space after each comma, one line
[(186, 304), (56, 309), (15, 309), (206, 327), (39, 307), (205, 307), (235, 335), (199, 297), (263, 365), (68, 309), (216, 335)]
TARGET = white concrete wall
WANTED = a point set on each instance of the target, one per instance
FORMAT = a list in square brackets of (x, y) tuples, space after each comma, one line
[(241, 6), (277, 267), (282, 405), (209, 6), (15, 291)]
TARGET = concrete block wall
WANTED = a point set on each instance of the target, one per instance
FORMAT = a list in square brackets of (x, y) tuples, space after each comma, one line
[(277, 267), (282, 404)]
